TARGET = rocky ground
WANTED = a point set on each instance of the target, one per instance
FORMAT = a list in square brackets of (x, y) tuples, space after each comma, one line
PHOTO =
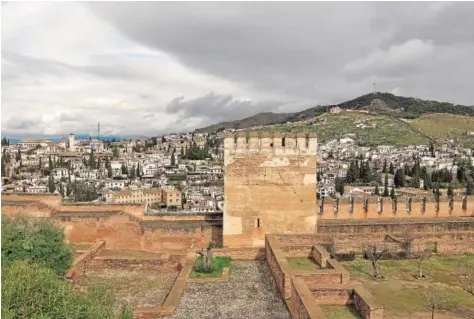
[(249, 293)]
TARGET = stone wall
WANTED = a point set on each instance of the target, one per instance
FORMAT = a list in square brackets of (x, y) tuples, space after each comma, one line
[(365, 303), (301, 304), (167, 263), (269, 186), (404, 207), (251, 253)]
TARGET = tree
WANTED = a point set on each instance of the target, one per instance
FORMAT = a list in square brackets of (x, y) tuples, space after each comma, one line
[(385, 188), (436, 192), (115, 152), (92, 160), (18, 155), (376, 191), (37, 240), (433, 296), (470, 187), (375, 257), (422, 255), (182, 153), (68, 189), (392, 193), (173, 161), (450, 191), (465, 277), (391, 169), (61, 189), (132, 172), (124, 169), (138, 174), (339, 185), (384, 169), (432, 150), (3, 166), (51, 186)]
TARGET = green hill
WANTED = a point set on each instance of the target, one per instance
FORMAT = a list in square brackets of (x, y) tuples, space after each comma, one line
[(379, 103), (366, 129)]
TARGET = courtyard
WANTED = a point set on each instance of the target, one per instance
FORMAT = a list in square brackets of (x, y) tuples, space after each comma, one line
[(404, 296)]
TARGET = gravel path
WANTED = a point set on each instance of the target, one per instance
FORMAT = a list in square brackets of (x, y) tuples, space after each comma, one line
[(249, 293)]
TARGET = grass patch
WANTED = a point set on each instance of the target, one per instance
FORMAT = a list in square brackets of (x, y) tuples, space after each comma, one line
[(341, 312), (303, 263), (218, 262), (401, 294)]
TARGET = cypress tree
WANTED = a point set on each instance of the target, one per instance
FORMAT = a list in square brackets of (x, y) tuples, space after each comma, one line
[(385, 189), (18, 155), (384, 169), (173, 161), (391, 169), (392, 193), (377, 190), (450, 191), (51, 185)]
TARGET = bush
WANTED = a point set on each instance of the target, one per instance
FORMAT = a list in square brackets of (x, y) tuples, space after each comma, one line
[(201, 266), (37, 240), (31, 290)]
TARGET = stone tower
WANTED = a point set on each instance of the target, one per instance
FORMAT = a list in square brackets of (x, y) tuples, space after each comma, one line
[(269, 186), (72, 142)]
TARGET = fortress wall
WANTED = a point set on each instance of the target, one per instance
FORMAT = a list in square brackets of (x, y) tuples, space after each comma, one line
[(269, 187), (383, 208)]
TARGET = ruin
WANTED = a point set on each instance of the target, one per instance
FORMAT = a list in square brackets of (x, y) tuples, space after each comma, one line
[(269, 185), (270, 213)]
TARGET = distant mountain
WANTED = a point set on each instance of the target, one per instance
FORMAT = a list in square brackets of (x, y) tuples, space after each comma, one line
[(380, 103)]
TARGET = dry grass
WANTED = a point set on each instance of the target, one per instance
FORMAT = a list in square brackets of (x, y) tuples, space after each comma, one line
[(136, 288)]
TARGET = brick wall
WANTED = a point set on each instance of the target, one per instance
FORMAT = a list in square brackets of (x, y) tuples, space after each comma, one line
[(365, 303), (167, 263), (251, 253), (301, 303)]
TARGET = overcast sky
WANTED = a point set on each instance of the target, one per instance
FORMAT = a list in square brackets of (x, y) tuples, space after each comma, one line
[(143, 68)]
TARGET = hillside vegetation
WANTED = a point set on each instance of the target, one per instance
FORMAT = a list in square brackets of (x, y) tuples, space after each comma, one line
[(444, 127), (367, 129), (380, 103)]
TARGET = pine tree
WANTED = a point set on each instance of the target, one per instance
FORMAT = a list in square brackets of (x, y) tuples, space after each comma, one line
[(385, 187)]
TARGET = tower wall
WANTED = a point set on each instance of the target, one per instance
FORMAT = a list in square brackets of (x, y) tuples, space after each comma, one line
[(269, 186)]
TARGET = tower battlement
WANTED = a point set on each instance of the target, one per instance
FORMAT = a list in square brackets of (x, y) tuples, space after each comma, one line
[(270, 143)]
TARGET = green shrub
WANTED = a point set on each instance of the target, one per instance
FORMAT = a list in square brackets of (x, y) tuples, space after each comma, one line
[(37, 240), (31, 290), (201, 266)]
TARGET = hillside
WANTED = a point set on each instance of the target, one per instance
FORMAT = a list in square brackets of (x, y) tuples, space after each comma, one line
[(366, 129), (380, 103), (444, 127), (258, 119)]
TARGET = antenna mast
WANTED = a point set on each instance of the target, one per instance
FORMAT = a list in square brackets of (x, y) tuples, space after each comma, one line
[(98, 131)]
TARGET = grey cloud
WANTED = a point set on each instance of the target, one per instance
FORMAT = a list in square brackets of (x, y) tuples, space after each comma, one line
[(294, 48), (26, 65), (217, 107)]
